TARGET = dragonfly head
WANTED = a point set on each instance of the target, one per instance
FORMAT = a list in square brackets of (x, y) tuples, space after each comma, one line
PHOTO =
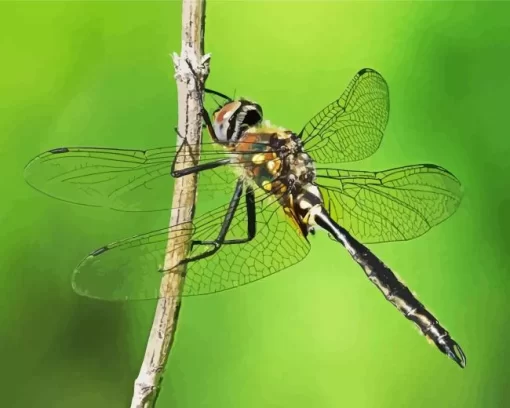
[(234, 118)]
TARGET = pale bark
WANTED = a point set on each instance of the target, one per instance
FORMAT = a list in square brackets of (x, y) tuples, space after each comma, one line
[(190, 126)]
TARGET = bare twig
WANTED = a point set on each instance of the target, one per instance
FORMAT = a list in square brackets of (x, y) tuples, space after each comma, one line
[(190, 125)]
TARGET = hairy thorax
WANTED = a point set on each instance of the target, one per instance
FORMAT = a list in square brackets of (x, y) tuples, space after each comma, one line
[(273, 158)]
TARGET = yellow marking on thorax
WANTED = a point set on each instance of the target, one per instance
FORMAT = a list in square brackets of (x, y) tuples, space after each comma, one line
[(274, 165), (259, 158)]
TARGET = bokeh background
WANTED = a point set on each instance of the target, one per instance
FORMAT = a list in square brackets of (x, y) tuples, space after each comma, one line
[(318, 334)]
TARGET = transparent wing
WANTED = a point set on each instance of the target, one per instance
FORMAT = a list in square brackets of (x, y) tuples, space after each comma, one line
[(120, 179), (130, 269), (350, 128), (392, 205)]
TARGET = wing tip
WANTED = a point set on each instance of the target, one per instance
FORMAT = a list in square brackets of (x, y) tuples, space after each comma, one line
[(99, 251), (41, 156), (367, 70), (59, 150)]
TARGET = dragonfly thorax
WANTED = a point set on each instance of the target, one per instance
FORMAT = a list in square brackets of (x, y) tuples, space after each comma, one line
[(273, 158)]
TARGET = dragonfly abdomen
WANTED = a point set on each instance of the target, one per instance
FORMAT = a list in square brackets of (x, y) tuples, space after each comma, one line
[(403, 299), (392, 288)]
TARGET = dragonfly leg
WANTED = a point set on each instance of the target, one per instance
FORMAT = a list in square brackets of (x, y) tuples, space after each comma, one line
[(251, 217), (229, 216), (221, 95), (208, 124), (201, 86), (393, 290), (197, 167)]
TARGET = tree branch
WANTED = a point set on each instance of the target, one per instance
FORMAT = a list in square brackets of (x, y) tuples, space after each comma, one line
[(190, 126)]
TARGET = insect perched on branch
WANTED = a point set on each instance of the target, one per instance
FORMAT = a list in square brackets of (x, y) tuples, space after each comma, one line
[(280, 192)]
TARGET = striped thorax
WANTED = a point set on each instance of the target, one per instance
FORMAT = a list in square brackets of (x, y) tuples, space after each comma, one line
[(271, 157)]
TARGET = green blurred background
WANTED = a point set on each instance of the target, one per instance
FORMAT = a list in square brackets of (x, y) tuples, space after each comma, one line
[(318, 334)]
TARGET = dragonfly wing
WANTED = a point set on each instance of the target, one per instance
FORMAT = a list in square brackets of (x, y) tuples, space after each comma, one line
[(131, 268), (392, 205), (350, 128), (277, 245), (119, 179)]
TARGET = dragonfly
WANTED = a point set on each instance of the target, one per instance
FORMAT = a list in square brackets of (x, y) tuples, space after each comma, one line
[(279, 190)]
